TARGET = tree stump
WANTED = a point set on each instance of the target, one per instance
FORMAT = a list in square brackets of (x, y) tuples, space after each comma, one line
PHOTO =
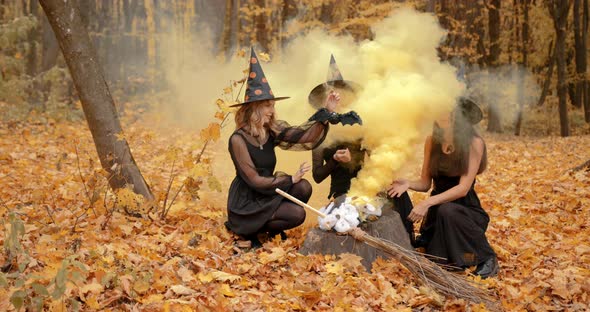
[(389, 226)]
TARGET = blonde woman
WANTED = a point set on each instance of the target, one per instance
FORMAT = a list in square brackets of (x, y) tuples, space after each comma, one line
[(253, 205)]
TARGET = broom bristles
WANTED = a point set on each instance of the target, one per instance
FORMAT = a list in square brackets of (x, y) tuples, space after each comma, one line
[(430, 273)]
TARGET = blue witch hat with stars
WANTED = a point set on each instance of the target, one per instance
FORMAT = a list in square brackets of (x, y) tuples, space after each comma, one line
[(335, 80), (257, 87)]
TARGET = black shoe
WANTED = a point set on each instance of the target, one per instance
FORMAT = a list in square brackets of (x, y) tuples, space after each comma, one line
[(487, 268), (255, 243), (420, 241)]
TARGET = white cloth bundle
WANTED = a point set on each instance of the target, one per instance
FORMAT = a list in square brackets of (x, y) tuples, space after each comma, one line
[(349, 214)]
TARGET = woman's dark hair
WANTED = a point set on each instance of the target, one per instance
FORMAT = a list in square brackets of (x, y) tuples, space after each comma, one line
[(456, 162)]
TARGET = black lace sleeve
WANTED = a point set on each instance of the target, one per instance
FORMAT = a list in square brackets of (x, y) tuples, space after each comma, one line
[(320, 168), (304, 137), (247, 171)]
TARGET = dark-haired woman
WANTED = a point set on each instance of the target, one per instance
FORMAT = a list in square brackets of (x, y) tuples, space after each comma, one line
[(455, 223)]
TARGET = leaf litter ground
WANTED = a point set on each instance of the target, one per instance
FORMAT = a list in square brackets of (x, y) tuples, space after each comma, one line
[(540, 224)]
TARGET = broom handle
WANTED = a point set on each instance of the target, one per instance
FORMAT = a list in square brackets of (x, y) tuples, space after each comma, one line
[(300, 203)]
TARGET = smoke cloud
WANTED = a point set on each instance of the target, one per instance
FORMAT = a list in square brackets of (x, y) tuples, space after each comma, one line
[(405, 88), (505, 87)]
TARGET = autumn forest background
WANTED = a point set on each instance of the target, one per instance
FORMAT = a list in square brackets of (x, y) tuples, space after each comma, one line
[(80, 231)]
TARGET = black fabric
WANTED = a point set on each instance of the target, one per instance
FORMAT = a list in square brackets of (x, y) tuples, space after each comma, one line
[(289, 214), (403, 205), (456, 230), (324, 165), (304, 137), (349, 118), (252, 200)]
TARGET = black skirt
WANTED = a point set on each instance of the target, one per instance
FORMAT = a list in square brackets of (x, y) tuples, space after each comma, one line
[(456, 230)]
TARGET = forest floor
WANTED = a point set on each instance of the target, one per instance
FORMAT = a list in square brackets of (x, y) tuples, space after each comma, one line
[(67, 253)]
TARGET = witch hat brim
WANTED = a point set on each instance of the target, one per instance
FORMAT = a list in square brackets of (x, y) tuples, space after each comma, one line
[(470, 110), (318, 94), (257, 86), (335, 81), (252, 101)]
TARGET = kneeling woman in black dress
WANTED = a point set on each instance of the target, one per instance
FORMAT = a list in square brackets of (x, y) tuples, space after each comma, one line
[(455, 224), (253, 205)]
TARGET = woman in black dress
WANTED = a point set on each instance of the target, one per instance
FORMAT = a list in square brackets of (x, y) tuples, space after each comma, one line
[(253, 205), (455, 224)]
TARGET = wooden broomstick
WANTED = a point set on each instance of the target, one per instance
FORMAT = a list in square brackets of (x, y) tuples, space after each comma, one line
[(429, 273)]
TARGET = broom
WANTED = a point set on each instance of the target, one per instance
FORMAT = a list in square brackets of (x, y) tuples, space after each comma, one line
[(429, 273)]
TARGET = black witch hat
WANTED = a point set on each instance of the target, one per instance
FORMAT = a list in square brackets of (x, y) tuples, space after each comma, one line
[(470, 110), (257, 87), (335, 81)]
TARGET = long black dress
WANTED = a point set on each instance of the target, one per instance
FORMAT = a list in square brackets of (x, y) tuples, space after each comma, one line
[(252, 199), (456, 230)]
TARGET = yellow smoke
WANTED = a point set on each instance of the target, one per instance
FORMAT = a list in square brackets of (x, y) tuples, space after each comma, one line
[(405, 89)]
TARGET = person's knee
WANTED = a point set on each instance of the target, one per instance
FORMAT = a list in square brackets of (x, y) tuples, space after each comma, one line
[(302, 190), (299, 216)]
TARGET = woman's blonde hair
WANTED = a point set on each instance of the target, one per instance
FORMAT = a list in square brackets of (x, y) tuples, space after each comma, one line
[(250, 115)]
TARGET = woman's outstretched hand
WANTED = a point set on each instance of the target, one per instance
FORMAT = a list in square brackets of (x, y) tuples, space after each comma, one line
[(419, 211), (332, 101), (397, 188), (303, 168)]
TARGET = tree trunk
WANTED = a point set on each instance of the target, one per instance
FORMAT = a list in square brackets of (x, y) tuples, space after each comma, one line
[(260, 23), (225, 43), (494, 120), (31, 67), (570, 72), (430, 6), (97, 102), (50, 49), (549, 75), (289, 10), (586, 89), (326, 14), (580, 55), (481, 30), (525, 43), (389, 226), (2, 9), (559, 10)]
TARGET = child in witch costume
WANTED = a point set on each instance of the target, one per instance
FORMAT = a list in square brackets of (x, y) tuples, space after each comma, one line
[(253, 205), (342, 160), (455, 224)]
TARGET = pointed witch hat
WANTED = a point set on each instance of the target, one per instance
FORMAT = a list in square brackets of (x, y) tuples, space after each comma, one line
[(469, 110), (257, 87), (335, 81)]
